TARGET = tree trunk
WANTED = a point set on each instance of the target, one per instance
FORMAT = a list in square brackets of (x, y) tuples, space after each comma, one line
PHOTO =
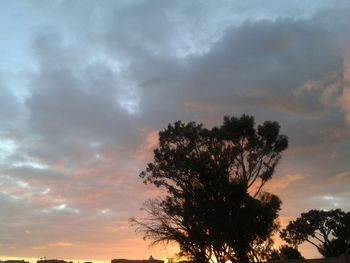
[(242, 257)]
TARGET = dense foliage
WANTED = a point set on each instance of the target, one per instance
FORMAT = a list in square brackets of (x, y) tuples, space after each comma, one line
[(213, 178), (328, 231)]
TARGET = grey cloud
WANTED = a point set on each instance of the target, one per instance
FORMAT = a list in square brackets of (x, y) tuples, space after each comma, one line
[(74, 105), (11, 108)]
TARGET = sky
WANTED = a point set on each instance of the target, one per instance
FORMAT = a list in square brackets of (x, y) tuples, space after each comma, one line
[(86, 86)]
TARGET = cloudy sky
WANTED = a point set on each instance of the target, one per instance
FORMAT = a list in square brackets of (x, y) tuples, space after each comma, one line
[(86, 86)]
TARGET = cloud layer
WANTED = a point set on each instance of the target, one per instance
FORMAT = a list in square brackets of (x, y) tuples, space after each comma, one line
[(88, 86)]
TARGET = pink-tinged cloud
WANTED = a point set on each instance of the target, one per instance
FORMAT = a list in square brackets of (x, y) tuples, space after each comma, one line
[(60, 244), (344, 102), (342, 177), (278, 185), (150, 141)]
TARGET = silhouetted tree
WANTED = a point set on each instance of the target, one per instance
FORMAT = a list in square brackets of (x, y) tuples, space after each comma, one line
[(213, 178), (262, 250), (285, 252), (328, 231)]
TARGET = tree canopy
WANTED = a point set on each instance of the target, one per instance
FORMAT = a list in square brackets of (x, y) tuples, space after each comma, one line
[(214, 205), (328, 231)]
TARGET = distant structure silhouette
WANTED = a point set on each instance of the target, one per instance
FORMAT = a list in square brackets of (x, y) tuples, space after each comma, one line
[(52, 261), (150, 260), (14, 261)]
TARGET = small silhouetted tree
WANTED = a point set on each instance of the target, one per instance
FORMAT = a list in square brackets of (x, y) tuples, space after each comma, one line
[(285, 252), (214, 205), (328, 231)]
